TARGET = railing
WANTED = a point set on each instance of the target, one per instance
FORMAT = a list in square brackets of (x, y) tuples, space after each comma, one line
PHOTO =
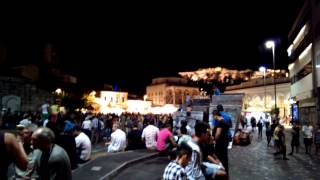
[(257, 83)]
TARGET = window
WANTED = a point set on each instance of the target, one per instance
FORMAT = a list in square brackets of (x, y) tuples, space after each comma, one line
[(307, 69)]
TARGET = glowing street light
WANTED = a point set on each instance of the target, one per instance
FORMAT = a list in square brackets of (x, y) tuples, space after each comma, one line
[(271, 45), (58, 91)]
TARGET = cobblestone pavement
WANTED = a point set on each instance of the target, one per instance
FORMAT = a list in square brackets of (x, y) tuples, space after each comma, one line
[(256, 161)]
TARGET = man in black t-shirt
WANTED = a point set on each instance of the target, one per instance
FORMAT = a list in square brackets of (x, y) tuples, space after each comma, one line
[(221, 139)]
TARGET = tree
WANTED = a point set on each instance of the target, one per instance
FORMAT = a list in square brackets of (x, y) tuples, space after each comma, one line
[(89, 98)]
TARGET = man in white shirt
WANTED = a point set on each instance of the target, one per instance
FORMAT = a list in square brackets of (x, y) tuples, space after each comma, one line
[(87, 126), (150, 135), (307, 131), (118, 139), (95, 130), (83, 145)]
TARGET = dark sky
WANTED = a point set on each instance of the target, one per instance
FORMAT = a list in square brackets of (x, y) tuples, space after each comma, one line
[(111, 44)]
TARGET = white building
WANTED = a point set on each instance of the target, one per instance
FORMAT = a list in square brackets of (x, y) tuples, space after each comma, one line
[(259, 95), (304, 51), (170, 90), (113, 99)]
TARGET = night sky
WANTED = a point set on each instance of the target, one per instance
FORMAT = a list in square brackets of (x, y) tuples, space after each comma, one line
[(111, 45)]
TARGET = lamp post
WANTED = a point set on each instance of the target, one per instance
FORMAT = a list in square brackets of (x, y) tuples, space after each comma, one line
[(263, 69), (271, 45), (58, 91)]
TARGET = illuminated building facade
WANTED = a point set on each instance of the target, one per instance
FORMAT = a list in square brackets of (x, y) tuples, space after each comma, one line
[(114, 99), (170, 90), (304, 52), (118, 102), (259, 95)]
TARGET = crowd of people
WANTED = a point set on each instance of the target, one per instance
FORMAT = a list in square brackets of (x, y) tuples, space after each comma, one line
[(41, 140), (51, 143), (52, 137), (201, 153), (277, 136)]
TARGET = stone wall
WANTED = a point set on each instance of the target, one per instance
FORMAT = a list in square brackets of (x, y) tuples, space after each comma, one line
[(21, 94), (181, 116), (232, 104), (200, 104)]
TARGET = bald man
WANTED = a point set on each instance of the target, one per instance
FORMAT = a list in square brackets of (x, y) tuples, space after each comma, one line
[(54, 163)]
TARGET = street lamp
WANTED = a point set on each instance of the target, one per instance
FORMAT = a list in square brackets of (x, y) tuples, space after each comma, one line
[(271, 45), (263, 69), (58, 91)]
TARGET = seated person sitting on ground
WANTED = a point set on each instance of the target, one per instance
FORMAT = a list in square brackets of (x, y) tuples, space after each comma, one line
[(175, 169), (165, 140), (211, 165)]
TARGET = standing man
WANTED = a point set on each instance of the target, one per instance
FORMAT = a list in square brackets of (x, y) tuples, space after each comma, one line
[(87, 126), (253, 122), (95, 129), (260, 126), (282, 142), (54, 163), (221, 139), (227, 119), (295, 141), (45, 110), (307, 131)]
